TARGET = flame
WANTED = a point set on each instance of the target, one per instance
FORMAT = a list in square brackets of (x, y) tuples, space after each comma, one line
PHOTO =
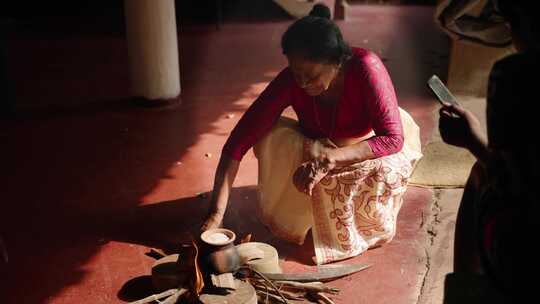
[(198, 282)]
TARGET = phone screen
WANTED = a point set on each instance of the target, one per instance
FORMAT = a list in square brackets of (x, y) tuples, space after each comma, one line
[(444, 96)]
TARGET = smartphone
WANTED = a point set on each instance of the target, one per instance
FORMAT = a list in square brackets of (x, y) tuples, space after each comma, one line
[(444, 96)]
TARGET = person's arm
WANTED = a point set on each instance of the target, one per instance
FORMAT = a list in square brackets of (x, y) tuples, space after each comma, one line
[(378, 91), (256, 122), (327, 158), (459, 127), (375, 87), (347, 155), (223, 181)]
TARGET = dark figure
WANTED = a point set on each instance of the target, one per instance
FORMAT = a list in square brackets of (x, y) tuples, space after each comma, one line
[(494, 229)]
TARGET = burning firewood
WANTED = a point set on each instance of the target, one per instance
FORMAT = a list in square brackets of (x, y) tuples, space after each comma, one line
[(254, 280)]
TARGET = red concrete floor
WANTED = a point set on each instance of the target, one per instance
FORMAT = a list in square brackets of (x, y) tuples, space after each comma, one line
[(90, 181)]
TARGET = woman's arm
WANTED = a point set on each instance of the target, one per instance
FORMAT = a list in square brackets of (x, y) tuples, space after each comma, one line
[(223, 181), (325, 158), (256, 122), (378, 89), (347, 155)]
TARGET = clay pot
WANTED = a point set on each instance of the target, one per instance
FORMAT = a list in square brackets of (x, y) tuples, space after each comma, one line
[(219, 250)]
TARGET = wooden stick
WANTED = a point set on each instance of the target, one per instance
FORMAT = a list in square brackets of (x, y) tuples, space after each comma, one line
[(311, 286), (155, 297), (321, 297), (325, 299), (271, 284), (288, 294), (159, 252), (174, 298), (271, 296), (266, 294)]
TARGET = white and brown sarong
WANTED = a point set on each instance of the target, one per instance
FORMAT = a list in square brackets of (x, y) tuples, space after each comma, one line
[(352, 209)]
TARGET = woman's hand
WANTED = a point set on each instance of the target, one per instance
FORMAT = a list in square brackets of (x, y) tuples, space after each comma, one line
[(225, 174), (459, 127), (320, 149), (213, 220), (310, 173)]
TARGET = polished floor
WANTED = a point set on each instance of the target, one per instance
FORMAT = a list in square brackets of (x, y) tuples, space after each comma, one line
[(90, 182)]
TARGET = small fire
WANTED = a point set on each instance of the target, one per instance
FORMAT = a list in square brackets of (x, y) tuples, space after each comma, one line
[(197, 284)]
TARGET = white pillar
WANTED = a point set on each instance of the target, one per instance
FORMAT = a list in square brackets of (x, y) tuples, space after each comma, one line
[(152, 48)]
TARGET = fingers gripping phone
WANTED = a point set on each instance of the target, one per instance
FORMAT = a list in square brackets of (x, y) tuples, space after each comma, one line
[(444, 96)]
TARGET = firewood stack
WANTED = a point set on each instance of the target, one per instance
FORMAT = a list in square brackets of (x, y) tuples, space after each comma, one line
[(270, 291), (209, 275)]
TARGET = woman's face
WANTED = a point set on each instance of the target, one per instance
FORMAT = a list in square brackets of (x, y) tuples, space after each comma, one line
[(313, 77)]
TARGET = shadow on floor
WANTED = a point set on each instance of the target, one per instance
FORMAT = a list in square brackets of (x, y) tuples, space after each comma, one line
[(53, 247), (166, 225)]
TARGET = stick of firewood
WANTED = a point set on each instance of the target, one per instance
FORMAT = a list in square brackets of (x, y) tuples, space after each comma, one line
[(322, 298), (155, 297), (159, 252), (288, 294), (174, 298), (265, 296), (311, 286), (262, 276)]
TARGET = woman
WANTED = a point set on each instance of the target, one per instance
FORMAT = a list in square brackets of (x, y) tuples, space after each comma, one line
[(496, 215), (342, 169)]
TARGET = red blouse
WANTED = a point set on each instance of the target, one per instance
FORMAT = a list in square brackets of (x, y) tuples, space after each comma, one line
[(368, 102)]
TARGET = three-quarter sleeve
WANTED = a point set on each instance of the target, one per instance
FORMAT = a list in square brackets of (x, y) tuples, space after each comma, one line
[(384, 110), (260, 117)]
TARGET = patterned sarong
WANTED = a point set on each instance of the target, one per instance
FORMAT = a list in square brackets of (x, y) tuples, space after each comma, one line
[(352, 209)]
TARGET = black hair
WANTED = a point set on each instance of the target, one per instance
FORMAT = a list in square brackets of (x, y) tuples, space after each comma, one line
[(316, 38)]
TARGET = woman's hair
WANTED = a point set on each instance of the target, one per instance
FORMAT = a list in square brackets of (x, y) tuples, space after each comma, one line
[(316, 38)]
